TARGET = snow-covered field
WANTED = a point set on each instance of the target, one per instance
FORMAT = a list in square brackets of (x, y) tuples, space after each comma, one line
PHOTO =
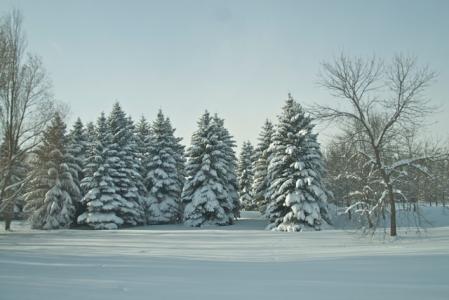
[(235, 262)]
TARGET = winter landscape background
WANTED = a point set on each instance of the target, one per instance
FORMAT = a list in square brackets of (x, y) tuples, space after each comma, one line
[(217, 149)]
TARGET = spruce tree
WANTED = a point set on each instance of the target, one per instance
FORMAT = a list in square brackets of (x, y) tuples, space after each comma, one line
[(142, 134), (262, 153), (205, 195), (296, 193), (78, 139), (180, 155), (245, 176), (136, 164), (162, 180), (230, 180), (52, 189), (142, 137), (102, 201), (77, 146), (126, 167)]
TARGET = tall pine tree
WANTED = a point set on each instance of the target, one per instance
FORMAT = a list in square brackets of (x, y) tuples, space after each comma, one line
[(245, 176), (126, 167), (142, 136), (77, 146), (230, 181), (297, 194), (102, 202), (53, 188), (205, 194), (262, 154), (162, 180), (180, 156), (137, 166)]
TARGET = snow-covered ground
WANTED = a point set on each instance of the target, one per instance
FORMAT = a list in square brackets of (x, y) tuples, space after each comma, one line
[(234, 262)]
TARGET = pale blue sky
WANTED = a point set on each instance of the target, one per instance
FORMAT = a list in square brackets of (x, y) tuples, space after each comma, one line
[(237, 58)]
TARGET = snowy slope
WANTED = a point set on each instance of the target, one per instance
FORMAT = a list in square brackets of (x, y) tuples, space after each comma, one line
[(232, 262)]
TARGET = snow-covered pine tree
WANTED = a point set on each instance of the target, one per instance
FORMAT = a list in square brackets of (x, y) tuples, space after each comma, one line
[(52, 186), (162, 180), (262, 153), (77, 146), (245, 176), (204, 195), (180, 157), (78, 138), (142, 136), (101, 201), (180, 161), (297, 195), (137, 165), (230, 180), (126, 175)]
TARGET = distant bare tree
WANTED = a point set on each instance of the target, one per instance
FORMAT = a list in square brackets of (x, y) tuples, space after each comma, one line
[(26, 106), (377, 102)]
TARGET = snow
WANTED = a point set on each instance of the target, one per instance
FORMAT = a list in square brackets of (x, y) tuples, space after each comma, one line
[(242, 261)]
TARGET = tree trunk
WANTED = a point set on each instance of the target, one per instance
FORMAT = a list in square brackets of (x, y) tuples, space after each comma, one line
[(7, 217), (370, 223), (393, 231), (8, 212), (349, 211), (8, 207)]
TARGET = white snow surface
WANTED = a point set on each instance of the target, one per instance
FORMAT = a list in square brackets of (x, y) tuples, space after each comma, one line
[(242, 261)]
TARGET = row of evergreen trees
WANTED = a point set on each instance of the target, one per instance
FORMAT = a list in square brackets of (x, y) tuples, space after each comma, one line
[(117, 173), (107, 175)]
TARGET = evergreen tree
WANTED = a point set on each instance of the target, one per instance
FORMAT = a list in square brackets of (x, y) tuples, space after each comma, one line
[(180, 161), (77, 146), (180, 155), (245, 176), (102, 201), (230, 180), (162, 181), (205, 194), (296, 193), (262, 153), (126, 167), (53, 189), (142, 136), (137, 164)]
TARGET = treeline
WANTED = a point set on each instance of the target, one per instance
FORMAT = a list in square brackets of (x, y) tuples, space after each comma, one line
[(106, 175), (115, 173)]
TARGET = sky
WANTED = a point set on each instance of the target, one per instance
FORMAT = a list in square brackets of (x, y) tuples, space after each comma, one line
[(239, 59)]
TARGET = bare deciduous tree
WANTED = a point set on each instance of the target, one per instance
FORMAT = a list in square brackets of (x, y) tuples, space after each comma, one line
[(26, 106), (377, 102)]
